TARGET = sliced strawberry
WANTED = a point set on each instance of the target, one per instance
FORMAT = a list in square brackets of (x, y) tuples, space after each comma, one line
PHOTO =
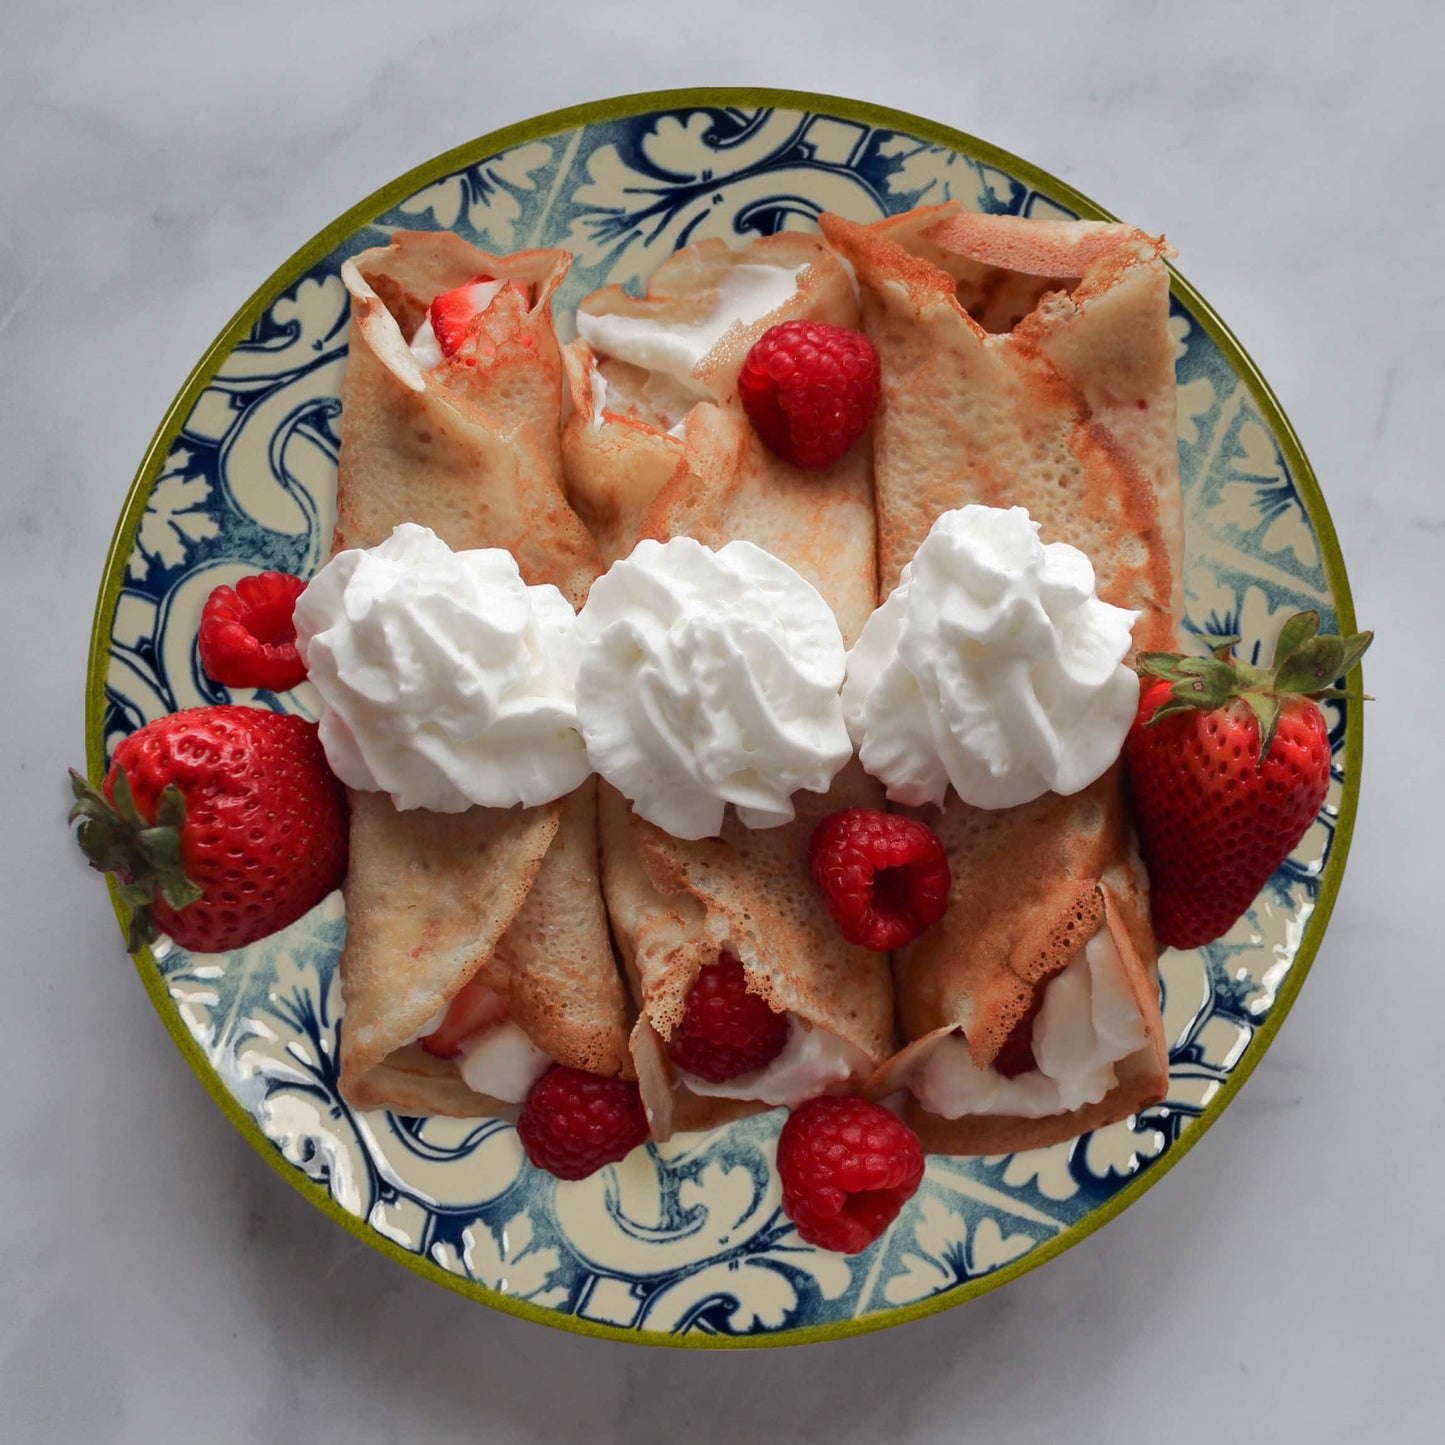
[(474, 1010), (453, 312)]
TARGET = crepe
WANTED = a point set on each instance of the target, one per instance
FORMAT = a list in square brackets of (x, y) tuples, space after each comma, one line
[(676, 905), (507, 896), (1027, 363), (1031, 885)]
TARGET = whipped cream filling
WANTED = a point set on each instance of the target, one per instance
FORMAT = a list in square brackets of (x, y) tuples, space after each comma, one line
[(710, 678), (744, 294), (1087, 1023), (660, 401), (812, 1062), (672, 351), (445, 680), (993, 665), (424, 344), (502, 1062)]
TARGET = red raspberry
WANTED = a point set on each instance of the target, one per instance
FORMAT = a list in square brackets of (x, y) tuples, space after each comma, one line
[(847, 1168), (725, 1030), (247, 636), (573, 1123), (810, 391), (886, 877)]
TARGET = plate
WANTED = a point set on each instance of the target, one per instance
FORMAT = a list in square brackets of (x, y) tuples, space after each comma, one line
[(683, 1243)]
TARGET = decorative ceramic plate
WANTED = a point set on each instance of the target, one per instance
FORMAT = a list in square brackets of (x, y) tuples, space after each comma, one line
[(683, 1243)]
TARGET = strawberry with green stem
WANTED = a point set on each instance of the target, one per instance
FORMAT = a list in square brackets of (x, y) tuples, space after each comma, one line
[(222, 824), (1228, 765)]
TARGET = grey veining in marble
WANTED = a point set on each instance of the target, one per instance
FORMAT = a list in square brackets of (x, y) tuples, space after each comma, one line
[(156, 162)]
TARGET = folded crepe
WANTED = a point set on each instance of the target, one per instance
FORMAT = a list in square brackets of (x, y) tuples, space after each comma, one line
[(505, 897), (1028, 363), (662, 455)]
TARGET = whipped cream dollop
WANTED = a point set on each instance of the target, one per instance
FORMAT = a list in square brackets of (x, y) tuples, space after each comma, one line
[(992, 666), (424, 344), (502, 1062), (812, 1062), (445, 680), (1087, 1023), (710, 678), (674, 349)]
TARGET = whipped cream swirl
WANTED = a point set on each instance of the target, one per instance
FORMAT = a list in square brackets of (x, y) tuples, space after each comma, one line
[(992, 666), (710, 678), (445, 680)]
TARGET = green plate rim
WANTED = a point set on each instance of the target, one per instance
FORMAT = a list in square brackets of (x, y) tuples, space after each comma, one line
[(615, 108)]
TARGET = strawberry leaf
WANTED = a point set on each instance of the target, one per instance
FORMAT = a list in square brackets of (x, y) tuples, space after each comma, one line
[(1265, 706), (178, 891), (1355, 649), (1166, 665), (125, 800), (1170, 708), (1312, 666), (1207, 685), (1293, 635)]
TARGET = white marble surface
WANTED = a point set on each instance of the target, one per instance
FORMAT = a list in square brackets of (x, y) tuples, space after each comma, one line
[(156, 162)]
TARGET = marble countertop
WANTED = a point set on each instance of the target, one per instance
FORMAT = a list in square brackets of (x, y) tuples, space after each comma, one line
[(156, 162)]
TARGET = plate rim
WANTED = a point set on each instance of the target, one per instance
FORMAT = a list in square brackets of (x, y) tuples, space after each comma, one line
[(364, 212)]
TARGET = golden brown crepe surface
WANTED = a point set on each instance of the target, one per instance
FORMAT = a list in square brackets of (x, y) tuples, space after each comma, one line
[(1066, 408), (676, 905), (1026, 364), (434, 900)]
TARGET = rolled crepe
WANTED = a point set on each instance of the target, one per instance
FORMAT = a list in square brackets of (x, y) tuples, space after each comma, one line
[(508, 897), (676, 906), (1027, 363)]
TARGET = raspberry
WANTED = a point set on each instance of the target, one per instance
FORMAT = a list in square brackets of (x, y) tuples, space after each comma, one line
[(247, 636), (725, 1030), (885, 877), (573, 1123), (810, 391), (847, 1168)]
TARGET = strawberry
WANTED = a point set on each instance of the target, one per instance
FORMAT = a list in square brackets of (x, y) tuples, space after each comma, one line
[(1228, 765), (223, 824), (452, 312), (474, 1009)]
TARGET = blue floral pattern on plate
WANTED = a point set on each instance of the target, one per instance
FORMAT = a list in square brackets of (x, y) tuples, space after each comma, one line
[(685, 1239)]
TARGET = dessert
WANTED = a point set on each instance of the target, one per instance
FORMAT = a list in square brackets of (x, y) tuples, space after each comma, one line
[(669, 364), (547, 761), (1025, 364), (504, 898)]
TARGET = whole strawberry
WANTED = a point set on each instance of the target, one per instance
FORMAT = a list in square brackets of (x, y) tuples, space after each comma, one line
[(223, 824), (1228, 765)]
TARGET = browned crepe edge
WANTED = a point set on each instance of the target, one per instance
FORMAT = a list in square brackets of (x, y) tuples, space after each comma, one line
[(1143, 1076), (1046, 357), (489, 429), (488, 422)]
